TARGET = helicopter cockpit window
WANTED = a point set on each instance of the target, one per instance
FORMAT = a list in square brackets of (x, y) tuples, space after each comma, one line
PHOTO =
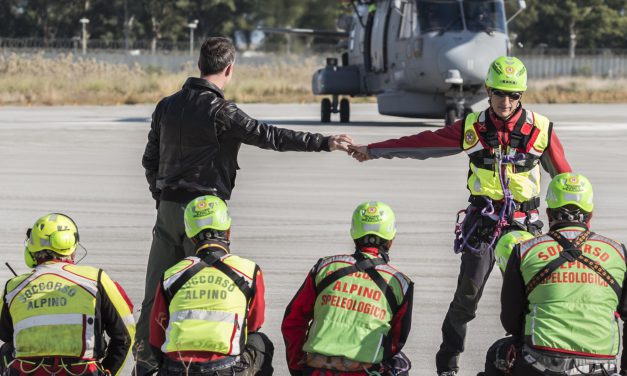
[(484, 15), (439, 16), (408, 20)]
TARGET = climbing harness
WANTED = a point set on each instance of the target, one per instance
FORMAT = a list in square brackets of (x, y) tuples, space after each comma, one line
[(58, 366), (502, 218)]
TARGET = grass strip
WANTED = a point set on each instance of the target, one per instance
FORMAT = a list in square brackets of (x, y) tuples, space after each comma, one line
[(67, 80)]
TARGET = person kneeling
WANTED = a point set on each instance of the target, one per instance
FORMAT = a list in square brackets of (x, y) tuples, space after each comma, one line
[(352, 315), (562, 294), (209, 307), (56, 318)]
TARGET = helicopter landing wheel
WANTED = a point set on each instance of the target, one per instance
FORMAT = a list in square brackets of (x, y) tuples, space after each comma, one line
[(345, 111), (450, 116), (325, 110)]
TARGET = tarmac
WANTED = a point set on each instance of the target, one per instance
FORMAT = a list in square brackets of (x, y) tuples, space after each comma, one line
[(289, 209)]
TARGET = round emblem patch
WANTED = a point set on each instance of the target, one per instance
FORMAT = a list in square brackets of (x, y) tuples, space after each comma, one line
[(509, 70), (470, 136)]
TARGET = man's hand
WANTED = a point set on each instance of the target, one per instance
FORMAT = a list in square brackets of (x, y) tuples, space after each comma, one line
[(359, 152), (340, 142)]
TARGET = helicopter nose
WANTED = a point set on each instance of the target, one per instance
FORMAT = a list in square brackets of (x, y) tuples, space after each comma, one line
[(471, 59)]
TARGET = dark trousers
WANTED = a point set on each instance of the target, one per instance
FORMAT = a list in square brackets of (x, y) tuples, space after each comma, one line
[(398, 365), (473, 274), (169, 246), (256, 360), (507, 352)]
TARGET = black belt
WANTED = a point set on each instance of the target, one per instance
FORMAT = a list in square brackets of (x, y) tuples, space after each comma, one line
[(199, 367), (480, 202)]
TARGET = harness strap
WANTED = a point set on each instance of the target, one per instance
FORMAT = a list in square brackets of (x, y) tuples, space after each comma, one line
[(213, 259), (530, 205), (239, 281), (366, 265), (516, 137), (480, 202), (490, 136), (382, 285), (359, 266), (596, 267), (572, 252), (486, 158)]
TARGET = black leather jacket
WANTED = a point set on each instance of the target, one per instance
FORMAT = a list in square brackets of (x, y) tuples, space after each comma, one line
[(194, 139)]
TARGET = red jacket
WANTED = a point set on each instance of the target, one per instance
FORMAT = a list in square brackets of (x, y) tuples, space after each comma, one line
[(300, 312), (160, 316), (448, 141)]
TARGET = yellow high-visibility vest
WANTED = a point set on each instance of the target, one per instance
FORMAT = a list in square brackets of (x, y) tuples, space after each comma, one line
[(53, 310), (524, 175), (208, 312)]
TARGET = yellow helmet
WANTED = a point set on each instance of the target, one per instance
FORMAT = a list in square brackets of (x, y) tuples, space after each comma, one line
[(373, 218), (54, 232), (507, 73), (506, 244), (206, 213), (570, 189)]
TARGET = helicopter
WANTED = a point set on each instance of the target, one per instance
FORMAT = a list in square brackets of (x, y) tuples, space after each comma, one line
[(420, 58)]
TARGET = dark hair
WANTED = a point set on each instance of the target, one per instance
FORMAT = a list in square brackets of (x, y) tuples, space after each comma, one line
[(371, 240), (568, 213), (50, 255), (216, 54), (209, 234)]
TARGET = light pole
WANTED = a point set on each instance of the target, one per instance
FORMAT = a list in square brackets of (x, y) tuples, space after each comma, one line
[(192, 26), (84, 21)]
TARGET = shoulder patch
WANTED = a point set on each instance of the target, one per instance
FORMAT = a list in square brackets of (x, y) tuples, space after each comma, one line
[(470, 137)]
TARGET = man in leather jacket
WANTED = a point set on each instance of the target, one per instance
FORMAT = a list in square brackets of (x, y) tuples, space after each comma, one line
[(192, 149)]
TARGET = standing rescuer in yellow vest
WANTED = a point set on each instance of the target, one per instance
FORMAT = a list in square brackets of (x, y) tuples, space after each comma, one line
[(562, 294), (209, 307), (506, 145), (352, 315), (54, 318)]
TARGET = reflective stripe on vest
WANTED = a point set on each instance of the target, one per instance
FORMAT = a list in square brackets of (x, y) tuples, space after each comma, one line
[(208, 312), (208, 316), (573, 310), (186, 264), (351, 315), (53, 311), (89, 338), (524, 182)]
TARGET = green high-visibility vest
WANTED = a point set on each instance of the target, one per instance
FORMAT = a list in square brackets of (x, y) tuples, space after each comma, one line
[(208, 312), (573, 310), (524, 180), (352, 316)]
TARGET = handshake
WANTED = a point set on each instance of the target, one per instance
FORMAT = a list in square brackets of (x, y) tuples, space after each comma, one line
[(345, 143)]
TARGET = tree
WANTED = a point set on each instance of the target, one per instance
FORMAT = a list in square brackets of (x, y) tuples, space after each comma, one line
[(572, 23)]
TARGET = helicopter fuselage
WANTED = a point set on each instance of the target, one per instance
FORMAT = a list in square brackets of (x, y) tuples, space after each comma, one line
[(420, 58)]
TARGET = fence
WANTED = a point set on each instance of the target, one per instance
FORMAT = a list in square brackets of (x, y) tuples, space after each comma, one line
[(551, 66), (541, 63)]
